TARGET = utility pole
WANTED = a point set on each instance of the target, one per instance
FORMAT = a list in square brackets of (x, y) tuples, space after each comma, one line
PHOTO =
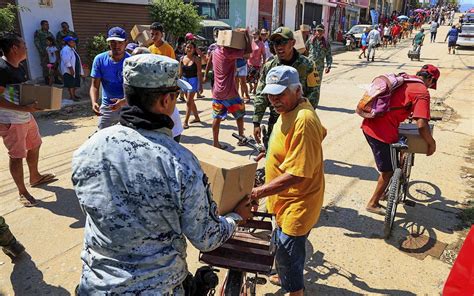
[(275, 14)]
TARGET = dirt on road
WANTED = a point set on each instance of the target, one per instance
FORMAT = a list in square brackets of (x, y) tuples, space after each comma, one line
[(346, 254)]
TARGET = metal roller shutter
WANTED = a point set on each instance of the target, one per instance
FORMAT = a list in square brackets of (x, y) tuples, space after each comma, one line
[(91, 18)]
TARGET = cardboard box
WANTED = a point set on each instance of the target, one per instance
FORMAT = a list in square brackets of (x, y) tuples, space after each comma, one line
[(415, 142), (299, 41), (231, 177), (141, 34), (48, 97), (233, 39)]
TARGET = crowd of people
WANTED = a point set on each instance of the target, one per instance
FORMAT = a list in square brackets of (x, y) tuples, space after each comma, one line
[(138, 220)]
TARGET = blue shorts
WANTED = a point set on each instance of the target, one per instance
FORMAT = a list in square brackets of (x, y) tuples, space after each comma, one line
[(241, 71), (289, 260), (194, 81)]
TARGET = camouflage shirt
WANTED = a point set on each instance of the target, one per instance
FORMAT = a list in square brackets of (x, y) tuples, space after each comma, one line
[(61, 35), (143, 194), (309, 79), (318, 51), (40, 41)]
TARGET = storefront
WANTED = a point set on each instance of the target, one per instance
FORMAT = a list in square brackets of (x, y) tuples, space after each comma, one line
[(351, 17)]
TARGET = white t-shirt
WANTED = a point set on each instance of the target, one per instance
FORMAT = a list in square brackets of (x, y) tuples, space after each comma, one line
[(51, 54), (178, 126), (386, 31)]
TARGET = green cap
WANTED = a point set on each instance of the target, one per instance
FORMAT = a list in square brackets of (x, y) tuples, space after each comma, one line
[(283, 32), (153, 71)]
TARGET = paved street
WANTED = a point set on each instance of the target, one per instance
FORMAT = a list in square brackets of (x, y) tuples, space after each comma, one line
[(346, 255)]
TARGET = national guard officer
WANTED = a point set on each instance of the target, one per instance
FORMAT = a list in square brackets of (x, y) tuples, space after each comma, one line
[(8, 242), (143, 193), (40, 44), (319, 48), (282, 40)]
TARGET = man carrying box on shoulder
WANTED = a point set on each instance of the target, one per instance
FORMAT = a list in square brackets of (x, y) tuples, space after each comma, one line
[(18, 127), (294, 174), (380, 132)]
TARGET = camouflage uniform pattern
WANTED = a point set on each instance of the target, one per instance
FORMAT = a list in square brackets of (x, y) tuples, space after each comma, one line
[(309, 79), (61, 35), (143, 194), (317, 53), (40, 44), (6, 237)]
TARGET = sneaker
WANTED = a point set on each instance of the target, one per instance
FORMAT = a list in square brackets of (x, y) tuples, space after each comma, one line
[(14, 249)]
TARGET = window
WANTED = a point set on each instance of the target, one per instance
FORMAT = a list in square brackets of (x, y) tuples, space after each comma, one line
[(223, 9)]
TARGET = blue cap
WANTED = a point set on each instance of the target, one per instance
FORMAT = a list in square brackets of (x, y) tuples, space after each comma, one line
[(69, 38), (131, 46), (279, 78), (116, 34)]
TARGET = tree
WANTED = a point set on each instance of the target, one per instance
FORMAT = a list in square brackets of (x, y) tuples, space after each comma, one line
[(177, 17), (95, 46), (8, 17)]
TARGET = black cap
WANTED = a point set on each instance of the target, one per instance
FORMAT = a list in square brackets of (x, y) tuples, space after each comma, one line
[(157, 26)]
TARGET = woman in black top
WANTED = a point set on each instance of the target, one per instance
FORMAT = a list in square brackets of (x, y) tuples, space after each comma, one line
[(190, 71)]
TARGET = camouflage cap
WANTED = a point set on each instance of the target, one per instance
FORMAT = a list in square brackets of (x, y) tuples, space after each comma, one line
[(153, 71), (283, 32)]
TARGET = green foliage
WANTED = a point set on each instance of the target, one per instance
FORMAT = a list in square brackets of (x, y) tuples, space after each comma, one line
[(95, 46), (8, 17), (176, 17)]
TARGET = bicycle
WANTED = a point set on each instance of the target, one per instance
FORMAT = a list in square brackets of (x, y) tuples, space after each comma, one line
[(251, 249), (397, 189)]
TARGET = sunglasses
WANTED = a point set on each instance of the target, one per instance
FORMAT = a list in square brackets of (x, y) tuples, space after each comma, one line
[(279, 42)]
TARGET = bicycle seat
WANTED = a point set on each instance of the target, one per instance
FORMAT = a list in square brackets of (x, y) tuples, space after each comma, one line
[(401, 144)]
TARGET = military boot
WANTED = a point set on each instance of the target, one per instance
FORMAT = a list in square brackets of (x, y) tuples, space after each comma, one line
[(13, 249)]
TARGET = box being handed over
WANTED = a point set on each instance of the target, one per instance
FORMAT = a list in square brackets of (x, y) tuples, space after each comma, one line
[(231, 177), (415, 142), (233, 39), (141, 34), (48, 97)]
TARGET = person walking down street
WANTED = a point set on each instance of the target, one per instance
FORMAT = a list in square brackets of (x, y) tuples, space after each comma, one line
[(71, 67), (452, 38), (319, 49), (18, 127), (107, 71), (433, 30), (363, 43), (190, 70), (241, 77), (64, 33), (418, 40), (387, 37), (264, 36), (255, 61), (283, 44), (396, 30), (41, 44), (294, 173), (225, 94), (10, 245), (410, 98), (373, 40), (160, 46), (138, 220)]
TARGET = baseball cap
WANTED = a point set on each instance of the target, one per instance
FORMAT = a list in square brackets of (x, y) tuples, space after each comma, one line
[(69, 38), (433, 71), (116, 34), (131, 46), (283, 32), (189, 36), (279, 78), (153, 71)]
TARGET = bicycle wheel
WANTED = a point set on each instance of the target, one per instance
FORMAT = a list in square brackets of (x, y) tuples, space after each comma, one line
[(392, 202), (407, 164), (233, 283)]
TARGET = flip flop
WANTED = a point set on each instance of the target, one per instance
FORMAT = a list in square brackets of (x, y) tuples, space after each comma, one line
[(185, 126), (195, 121), (47, 178), (25, 201), (275, 280), (378, 211)]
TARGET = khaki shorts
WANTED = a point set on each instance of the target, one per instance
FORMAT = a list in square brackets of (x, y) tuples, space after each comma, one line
[(19, 138)]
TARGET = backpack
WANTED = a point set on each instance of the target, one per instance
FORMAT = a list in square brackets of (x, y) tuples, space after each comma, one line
[(376, 100)]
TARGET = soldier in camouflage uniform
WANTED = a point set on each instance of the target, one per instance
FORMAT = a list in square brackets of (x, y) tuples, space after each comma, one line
[(137, 219), (64, 33), (283, 42), (8, 242), (319, 49), (40, 44)]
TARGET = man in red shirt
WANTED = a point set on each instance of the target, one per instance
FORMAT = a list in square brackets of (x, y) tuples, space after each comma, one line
[(396, 30), (380, 132)]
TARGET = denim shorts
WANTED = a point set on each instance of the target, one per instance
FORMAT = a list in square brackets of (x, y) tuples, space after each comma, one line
[(289, 260)]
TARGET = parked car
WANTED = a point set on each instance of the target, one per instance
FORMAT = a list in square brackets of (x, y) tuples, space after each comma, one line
[(468, 18), (357, 31), (466, 36)]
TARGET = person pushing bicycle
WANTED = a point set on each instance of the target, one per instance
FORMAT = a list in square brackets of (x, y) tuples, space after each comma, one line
[(411, 98)]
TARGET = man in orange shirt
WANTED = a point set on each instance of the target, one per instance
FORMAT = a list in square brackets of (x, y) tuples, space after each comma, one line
[(160, 46)]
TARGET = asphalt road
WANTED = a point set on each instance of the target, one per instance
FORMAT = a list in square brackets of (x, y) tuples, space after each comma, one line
[(345, 253)]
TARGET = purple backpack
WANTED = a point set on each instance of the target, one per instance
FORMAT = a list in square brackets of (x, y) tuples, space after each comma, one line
[(376, 100)]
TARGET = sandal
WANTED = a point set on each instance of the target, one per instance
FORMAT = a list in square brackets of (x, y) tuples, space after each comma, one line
[(196, 121), (223, 147), (185, 126), (47, 178), (27, 202)]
